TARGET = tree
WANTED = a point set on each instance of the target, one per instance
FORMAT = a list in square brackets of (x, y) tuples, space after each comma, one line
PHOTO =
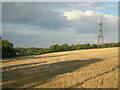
[(78, 47), (115, 44), (118, 44), (105, 45), (30, 51), (94, 46), (72, 47), (65, 47), (7, 49), (85, 46), (55, 48)]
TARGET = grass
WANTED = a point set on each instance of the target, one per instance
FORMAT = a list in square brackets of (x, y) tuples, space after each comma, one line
[(94, 68)]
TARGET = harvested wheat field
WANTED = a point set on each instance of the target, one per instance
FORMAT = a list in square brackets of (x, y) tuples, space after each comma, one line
[(92, 68)]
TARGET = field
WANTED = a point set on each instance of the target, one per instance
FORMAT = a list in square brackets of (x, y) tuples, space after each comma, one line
[(92, 68)]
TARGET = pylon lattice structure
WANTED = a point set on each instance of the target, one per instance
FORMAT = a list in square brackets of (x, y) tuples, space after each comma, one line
[(100, 36)]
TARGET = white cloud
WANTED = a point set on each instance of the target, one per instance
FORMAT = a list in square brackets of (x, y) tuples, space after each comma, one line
[(78, 15), (73, 15), (89, 5)]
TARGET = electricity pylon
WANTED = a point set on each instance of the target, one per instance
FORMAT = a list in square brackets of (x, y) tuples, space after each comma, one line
[(100, 36)]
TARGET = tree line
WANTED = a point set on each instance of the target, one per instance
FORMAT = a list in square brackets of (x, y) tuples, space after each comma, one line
[(8, 49)]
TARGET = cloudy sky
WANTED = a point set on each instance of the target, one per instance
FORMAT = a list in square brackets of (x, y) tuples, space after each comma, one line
[(42, 24)]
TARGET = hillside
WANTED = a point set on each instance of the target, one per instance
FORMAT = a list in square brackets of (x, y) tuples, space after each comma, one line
[(92, 68)]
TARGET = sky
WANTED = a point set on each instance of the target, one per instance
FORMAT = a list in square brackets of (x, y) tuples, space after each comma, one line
[(42, 24)]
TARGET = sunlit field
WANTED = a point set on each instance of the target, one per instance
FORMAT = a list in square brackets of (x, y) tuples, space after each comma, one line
[(92, 68)]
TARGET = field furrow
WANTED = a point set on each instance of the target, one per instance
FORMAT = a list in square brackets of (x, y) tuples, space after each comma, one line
[(93, 68)]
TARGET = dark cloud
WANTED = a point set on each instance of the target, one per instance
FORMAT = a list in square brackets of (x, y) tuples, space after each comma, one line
[(39, 14)]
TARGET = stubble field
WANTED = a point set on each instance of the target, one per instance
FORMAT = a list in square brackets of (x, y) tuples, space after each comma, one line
[(92, 68)]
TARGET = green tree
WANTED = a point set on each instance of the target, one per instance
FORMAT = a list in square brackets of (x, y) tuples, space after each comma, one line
[(85, 46), (78, 47), (30, 51), (55, 48), (94, 46), (7, 49), (118, 44), (115, 44), (21, 51), (65, 47), (72, 47)]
